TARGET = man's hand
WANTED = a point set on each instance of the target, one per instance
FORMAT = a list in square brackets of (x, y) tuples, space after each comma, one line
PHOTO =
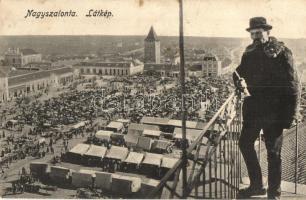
[(242, 87), (241, 84), (295, 120)]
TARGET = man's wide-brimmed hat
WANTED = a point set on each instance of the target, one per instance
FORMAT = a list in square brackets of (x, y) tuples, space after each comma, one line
[(259, 22)]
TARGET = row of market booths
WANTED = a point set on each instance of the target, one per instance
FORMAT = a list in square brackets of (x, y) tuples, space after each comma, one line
[(113, 184), (150, 138), (121, 159)]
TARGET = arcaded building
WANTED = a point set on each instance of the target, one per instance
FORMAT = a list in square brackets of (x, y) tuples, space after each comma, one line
[(22, 82), (110, 68), (152, 48)]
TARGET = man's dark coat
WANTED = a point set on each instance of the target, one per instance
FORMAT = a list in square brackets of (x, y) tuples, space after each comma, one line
[(273, 83)]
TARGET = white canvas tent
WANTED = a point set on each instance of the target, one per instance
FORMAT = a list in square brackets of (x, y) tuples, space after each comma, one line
[(83, 178), (38, 168), (103, 180), (96, 151), (117, 153), (115, 126), (152, 159), (77, 152), (79, 125), (134, 158), (79, 149), (59, 174), (148, 185), (152, 133), (191, 134), (168, 162), (123, 120), (104, 135), (125, 184), (145, 143), (131, 140)]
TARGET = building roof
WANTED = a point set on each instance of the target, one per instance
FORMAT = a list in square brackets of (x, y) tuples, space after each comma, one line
[(151, 37), (36, 75), (104, 64), (162, 66), (210, 57), (28, 52)]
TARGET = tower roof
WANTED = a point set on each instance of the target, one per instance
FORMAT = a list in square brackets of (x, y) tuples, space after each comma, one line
[(152, 35)]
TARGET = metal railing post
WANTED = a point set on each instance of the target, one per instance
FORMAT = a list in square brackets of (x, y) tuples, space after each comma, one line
[(183, 93), (296, 158)]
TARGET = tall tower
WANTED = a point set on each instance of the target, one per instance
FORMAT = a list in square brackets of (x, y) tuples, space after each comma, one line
[(152, 48)]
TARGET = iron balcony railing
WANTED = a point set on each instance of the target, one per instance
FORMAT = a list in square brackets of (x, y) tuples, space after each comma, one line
[(213, 163), (213, 160)]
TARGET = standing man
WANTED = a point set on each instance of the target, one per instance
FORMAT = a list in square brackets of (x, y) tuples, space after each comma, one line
[(267, 71)]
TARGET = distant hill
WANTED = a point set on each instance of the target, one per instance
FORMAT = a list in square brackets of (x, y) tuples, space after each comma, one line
[(104, 44), (76, 45)]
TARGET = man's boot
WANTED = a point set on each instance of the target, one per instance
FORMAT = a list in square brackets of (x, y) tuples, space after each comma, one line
[(251, 191)]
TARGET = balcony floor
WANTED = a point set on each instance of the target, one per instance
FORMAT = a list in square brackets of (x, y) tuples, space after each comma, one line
[(287, 190)]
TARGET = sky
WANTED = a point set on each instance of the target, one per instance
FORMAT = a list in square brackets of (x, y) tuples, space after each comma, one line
[(219, 18)]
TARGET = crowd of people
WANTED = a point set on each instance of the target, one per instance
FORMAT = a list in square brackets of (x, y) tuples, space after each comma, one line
[(138, 96)]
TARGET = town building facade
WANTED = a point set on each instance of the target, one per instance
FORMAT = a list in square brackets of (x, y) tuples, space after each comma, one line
[(28, 82), (21, 57), (110, 68)]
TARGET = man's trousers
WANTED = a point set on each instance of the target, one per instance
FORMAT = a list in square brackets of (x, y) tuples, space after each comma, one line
[(273, 137)]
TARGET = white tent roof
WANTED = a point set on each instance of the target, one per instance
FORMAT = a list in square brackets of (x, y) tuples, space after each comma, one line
[(178, 123), (116, 125), (88, 171), (96, 151), (152, 159), (168, 162), (78, 125), (191, 134), (151, 182), (116, 152), (151, 133), (134, 157), (123, 120), (80, 149), (103, 135)]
